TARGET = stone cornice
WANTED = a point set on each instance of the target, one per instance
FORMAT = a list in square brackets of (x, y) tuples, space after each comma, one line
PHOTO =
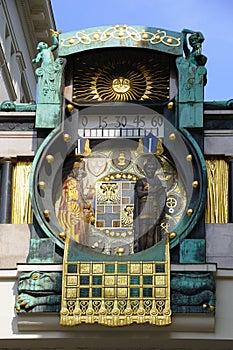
[(218, 142), (36, 18)]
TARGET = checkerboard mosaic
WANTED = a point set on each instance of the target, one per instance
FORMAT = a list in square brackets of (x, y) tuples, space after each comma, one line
[(137, 289)]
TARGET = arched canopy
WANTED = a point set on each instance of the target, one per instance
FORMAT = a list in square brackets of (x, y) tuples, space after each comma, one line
[(121, 36)]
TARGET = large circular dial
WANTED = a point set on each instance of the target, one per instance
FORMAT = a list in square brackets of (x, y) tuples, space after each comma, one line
[(117, 178)]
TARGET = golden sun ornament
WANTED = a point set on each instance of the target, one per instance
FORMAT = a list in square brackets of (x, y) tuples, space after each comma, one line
[(121, 75)]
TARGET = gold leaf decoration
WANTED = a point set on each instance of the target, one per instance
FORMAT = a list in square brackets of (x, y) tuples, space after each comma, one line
[(121, 33), (217, 194), (21, 204), (115, 294)]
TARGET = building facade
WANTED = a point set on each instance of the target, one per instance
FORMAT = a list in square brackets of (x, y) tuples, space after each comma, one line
[(116, 191)]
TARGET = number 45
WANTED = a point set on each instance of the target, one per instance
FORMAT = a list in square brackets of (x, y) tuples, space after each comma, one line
[(139, 121)]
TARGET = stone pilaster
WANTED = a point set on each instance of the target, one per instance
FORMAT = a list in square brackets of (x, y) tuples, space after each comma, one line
[(6, 191)]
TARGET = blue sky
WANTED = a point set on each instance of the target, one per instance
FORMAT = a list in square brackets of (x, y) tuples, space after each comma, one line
[(214, 18)]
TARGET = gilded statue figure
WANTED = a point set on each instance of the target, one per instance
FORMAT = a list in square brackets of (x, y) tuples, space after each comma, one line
[(149, 202), (75, 208)]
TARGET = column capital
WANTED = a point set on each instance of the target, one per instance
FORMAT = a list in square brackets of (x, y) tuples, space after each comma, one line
[(7, 160)]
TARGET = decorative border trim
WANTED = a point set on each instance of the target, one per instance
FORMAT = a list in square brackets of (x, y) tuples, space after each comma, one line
[(121, 32)]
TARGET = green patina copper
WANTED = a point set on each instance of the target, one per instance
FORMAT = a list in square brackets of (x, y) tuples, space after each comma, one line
[(192, 251), (192, 292), (10, 106), (219, 104), (49, 76), (121, 36), (156, 252), (32, 185), (39, 291), (187, 224), (191, 81)]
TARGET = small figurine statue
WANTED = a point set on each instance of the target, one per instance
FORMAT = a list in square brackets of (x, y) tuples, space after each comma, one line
[(195, 40), (45, 52), (49, 77), (192, 77)]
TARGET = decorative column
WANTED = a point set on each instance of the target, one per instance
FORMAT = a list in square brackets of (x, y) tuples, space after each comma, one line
[(230, 194), (6, 191)]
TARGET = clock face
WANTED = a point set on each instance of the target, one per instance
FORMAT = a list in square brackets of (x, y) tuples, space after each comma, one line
[(117, 178)]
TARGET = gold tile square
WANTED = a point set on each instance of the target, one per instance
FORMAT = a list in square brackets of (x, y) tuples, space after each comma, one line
[(122, 292), (97, 268), (109, 292), (147, 268), (160, 292), (160, 280), (109, 280), (71, 292), (85, 268), (72, 280), (122, 280), (135, 268)]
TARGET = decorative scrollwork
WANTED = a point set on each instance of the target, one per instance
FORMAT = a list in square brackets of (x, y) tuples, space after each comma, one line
[(121, 32)]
